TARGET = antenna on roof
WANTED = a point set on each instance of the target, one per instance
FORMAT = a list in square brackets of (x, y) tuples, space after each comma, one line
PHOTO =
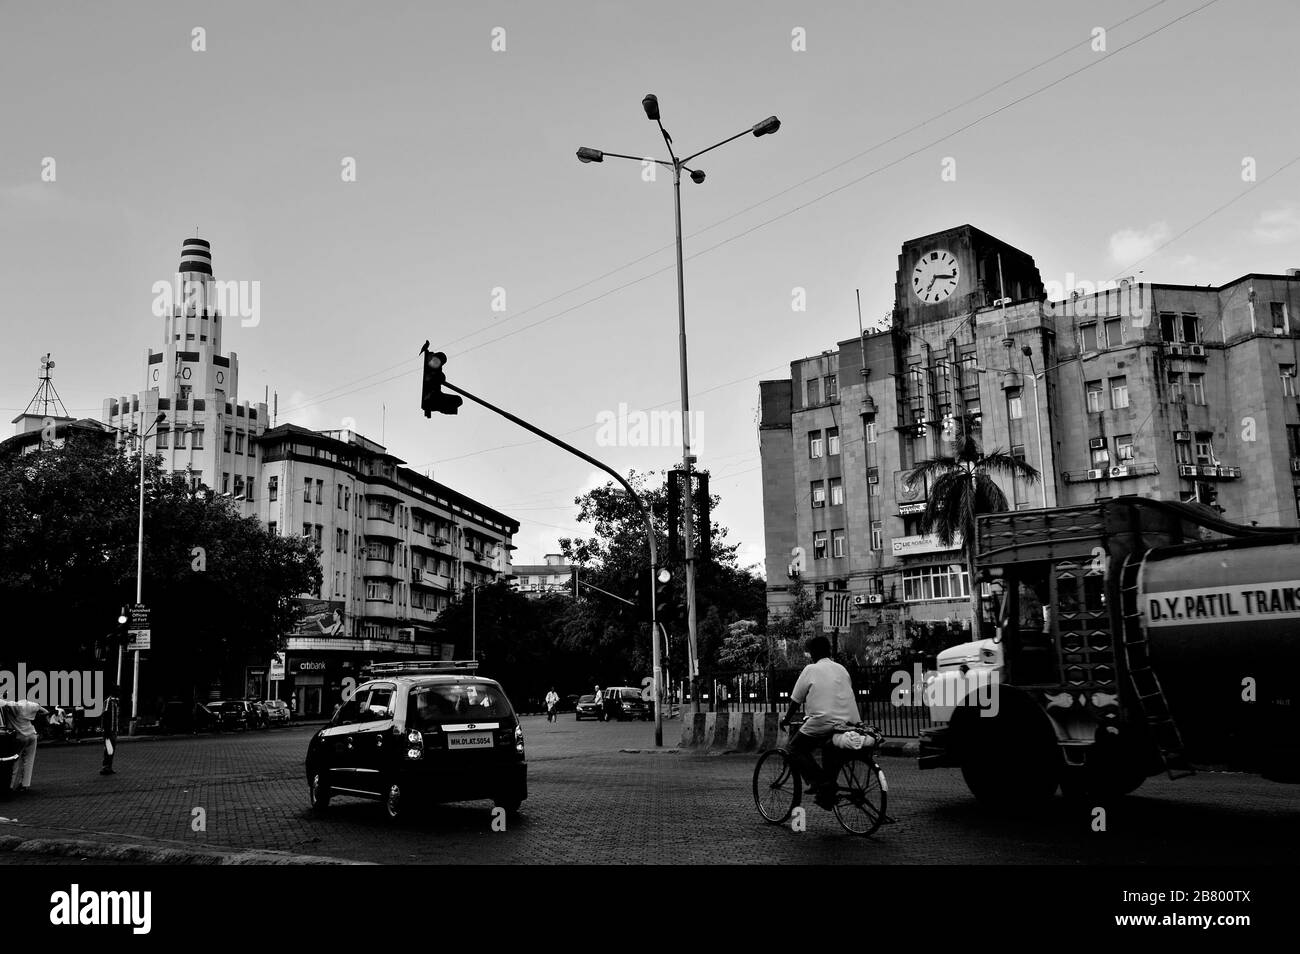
[(46, 396)]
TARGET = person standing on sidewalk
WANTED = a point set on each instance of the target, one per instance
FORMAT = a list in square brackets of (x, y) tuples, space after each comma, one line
[(112, 715), (20, 716), (552, 700)]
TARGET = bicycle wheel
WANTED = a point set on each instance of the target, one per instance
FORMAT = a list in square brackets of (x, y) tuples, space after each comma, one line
[(777, 787), (861, 797)]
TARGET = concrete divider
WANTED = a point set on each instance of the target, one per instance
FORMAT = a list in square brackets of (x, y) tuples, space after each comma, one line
[(731, 731)]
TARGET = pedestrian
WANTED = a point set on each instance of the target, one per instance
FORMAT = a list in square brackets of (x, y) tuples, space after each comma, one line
[(552, 701), (20, 716), (112, 710), (600, 704)]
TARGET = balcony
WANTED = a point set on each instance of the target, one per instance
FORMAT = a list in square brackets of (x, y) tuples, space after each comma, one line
[(427, 578), (381, 569), (1124, 470), (381, 528)]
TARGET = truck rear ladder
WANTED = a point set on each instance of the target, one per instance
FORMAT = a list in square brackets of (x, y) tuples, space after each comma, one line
[(1146, 684)]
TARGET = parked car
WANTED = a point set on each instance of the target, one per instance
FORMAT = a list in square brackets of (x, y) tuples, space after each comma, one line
[(277, 712), (587, 708), (414, 737), (569, 703), (625, 702), (234, 714), (261, 716)]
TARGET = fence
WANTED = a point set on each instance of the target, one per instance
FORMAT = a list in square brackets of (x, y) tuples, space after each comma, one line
[(888, 696)]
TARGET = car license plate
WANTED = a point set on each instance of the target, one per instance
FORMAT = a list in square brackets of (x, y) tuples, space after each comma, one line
[(469, 740)]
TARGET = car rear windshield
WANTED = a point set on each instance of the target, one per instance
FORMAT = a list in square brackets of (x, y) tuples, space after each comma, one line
[(430, 706), (631, 695), (587, 698)]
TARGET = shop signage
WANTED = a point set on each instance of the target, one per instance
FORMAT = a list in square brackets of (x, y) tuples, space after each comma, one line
[(923, 543)]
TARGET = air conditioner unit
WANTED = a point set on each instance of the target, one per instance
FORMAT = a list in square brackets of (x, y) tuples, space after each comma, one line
[(859, 600), (1176, 350), (1209, 471), (1196, 351), (1186, 470), (1096, 443), (1295, 465), (1095, 474), (873, 479), (1184, 437), (1119, 471), (875, 598)]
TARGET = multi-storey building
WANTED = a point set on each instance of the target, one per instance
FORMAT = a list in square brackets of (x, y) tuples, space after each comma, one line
[(207, 432), (1169, 391), (553, 576), (395, 546)]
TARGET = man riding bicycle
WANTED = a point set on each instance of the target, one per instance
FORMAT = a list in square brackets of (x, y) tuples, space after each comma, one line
[(825, 690)]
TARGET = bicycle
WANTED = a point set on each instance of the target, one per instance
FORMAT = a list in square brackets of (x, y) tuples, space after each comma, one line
[(861, 791)]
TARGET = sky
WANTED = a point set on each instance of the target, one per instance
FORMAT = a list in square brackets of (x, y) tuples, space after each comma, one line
[(1159, 147)]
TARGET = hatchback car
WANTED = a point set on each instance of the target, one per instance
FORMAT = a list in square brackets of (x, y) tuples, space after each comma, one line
[(277, 712), (235, 714), (415, 736), (588, 708)]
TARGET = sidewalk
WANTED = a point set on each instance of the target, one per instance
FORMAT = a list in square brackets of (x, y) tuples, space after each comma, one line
[(154, 736)]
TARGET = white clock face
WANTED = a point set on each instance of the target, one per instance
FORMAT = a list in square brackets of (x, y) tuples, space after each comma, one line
[(935, 276)]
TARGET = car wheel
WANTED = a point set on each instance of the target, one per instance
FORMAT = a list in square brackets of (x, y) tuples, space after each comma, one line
[(319, 792), (394, 806)]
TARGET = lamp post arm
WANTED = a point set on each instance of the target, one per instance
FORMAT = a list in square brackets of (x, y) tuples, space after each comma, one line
[(619, 155), (746, 132)]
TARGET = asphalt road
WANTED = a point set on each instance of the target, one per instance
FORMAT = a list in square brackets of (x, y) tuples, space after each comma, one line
[(590, 802)]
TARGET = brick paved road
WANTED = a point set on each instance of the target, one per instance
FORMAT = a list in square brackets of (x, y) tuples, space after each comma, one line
[(590, 802)]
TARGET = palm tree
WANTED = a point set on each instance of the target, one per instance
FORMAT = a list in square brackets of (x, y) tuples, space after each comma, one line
[(962, 487)]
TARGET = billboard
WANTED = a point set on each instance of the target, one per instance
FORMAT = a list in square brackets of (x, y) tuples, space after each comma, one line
[(320, 618)]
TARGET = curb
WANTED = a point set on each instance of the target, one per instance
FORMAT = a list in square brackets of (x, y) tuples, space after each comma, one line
[(163, 736), (732, 733), (149, 855)]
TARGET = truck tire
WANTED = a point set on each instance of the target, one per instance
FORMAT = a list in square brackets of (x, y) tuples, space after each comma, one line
[(1010, 761)]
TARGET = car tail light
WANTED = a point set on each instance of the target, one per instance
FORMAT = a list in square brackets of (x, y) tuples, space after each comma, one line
[(519, 738), (415, 744)]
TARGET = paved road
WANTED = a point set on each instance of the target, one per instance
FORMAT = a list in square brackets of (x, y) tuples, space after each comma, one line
[(589, 802)]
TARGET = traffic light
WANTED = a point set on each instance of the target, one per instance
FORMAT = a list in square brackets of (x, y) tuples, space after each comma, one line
[(431, 397), (121, 633), (674, 512), (703, 511), (573, 579)]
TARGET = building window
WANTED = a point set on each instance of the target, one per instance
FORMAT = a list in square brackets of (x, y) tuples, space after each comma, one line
[(1196, 383), (819, 546), (197, 442), (1175, 386), (380, 590), (249, 488), (1205, 449), (239, 486), (180, 439), (338, 539), (226, 445), (877, 535), (873, 487), (380, 550), (239, 443), (1124, 448), (1168, 327), (1293, 440), (837, 491), (1285, 371), (1191, 329), (272, 527), (1095, 397), (347, 498), (1119, 392), (1278, 310), (162, 437), (1100, 458), (320, 491), (1114, 333), (306, 530), (338, 497), (1183, 452), (814, 444), (306, 490), (380, 510), (832, 441), (871, 432), (838, 543), (318, 536), (936, 583), (814, 392), (832, 387), (225, 483), (1088, 337), (273, 489), (1015, 405), (818, 494)]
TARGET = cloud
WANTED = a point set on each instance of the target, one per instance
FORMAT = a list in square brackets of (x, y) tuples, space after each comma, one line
[(1128, 246), (752, 554), (310, 416), (1278, 226)]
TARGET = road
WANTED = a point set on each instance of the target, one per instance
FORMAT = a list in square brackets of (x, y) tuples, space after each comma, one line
[(590, 802)]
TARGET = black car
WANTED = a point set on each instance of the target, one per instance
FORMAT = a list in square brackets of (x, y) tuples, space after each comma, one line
[(414, 736), (587, 708), (237, 714), (625, 702)]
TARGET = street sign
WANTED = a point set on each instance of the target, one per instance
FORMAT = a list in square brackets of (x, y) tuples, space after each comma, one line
[(138, 617), (276, 671), (140, 639)]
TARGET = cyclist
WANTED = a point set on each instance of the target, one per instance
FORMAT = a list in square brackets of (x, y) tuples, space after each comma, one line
[(825, 691)]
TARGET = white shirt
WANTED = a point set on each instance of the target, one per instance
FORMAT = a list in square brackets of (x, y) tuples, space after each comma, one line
[(825, 691), (21, 714), (552, 698)]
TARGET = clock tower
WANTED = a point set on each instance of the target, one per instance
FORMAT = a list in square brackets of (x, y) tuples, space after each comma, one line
[(951, 273)]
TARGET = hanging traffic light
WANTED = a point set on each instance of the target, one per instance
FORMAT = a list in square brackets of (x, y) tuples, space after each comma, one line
[(674, 512), (431, 397), (573, 579), (703, 510)]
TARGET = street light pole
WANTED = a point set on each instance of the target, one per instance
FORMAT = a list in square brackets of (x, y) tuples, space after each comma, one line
[(768, 126), (139, 577)]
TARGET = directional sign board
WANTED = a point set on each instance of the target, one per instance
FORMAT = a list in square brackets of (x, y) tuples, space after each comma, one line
[(276, 671)]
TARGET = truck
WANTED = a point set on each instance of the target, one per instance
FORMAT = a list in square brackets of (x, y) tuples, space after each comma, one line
[(1121, 639)]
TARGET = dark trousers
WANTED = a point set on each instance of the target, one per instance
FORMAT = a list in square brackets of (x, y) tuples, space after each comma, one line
[(802, 749), (110, 746)]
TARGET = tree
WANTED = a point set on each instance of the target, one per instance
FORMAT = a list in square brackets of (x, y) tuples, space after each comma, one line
[(220, 587), (790, 628), (962, 486)]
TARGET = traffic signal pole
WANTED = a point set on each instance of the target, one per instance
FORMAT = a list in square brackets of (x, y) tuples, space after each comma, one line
[(649, 535)]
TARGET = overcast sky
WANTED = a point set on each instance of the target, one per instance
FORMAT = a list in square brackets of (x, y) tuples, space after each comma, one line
[(466, 182)]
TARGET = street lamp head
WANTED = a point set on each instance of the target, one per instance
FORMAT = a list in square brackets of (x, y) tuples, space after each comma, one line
[(664, 575), (697, 176), (767, 126), (587, 154), (162, 416), (1027, 351), (651, 106)]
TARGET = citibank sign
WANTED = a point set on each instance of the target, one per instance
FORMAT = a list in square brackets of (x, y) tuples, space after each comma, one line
[(308, 665), (924, 543)]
